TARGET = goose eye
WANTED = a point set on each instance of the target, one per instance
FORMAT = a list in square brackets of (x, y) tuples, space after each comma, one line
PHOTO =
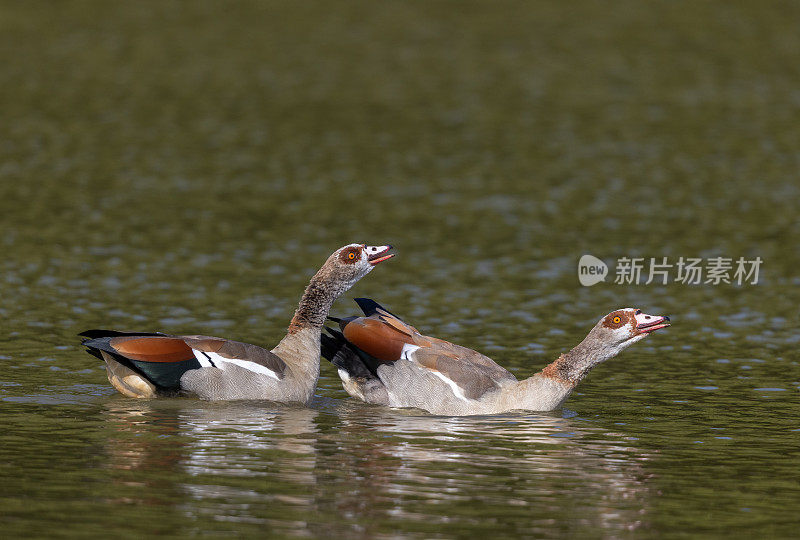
[(616, 319), (351, 255)]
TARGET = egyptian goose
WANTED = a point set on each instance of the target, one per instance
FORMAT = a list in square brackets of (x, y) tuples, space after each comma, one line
[(146, 365), (385, 361)]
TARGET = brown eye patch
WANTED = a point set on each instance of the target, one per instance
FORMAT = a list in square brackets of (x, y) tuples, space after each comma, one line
[(616, 319), (350, 255)]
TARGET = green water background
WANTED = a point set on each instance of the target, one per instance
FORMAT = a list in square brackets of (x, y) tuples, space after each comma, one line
[(186, 166)]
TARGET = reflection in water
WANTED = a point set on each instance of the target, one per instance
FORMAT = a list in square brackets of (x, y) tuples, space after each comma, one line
[(202, 448), (522, 461), (363, 471)]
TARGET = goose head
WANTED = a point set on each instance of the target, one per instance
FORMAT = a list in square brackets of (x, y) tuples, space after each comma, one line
[(352, 262), (624, 327)]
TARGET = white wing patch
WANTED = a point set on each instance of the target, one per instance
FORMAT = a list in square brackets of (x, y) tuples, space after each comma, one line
[(456, 389), (350, 386), (209, 359), (408, 350), (344, 376), (202, 358), (406, 353)]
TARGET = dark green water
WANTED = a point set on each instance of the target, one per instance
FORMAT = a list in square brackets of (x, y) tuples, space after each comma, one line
[(186, 167)]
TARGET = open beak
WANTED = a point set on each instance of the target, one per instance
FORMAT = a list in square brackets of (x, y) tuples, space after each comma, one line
[(650, 323), (376, 254)]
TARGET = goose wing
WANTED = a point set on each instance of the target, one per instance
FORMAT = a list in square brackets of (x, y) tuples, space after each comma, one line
[(163, 359), (387, 340)]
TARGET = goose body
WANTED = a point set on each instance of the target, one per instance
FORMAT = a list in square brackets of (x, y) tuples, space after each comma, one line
[(146, 365), (383, 360)]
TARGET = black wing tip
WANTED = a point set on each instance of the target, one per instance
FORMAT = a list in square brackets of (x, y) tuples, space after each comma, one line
[(344, 357), (100, 347), (96, 333), (335, 334), (368, 306), (94, 352), (331, 344)]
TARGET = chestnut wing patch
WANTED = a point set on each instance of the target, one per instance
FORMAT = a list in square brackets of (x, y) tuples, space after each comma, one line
[(152, 349), (380, 340)]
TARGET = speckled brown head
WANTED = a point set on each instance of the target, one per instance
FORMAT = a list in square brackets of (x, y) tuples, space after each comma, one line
[(350, 263), (626, 326)]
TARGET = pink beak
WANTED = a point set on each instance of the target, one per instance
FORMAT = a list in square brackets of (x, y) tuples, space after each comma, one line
[(376, 254), (649, 323)]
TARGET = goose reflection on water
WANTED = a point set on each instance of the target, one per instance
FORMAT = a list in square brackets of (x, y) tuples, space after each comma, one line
[(518, 459), (295, 468)]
